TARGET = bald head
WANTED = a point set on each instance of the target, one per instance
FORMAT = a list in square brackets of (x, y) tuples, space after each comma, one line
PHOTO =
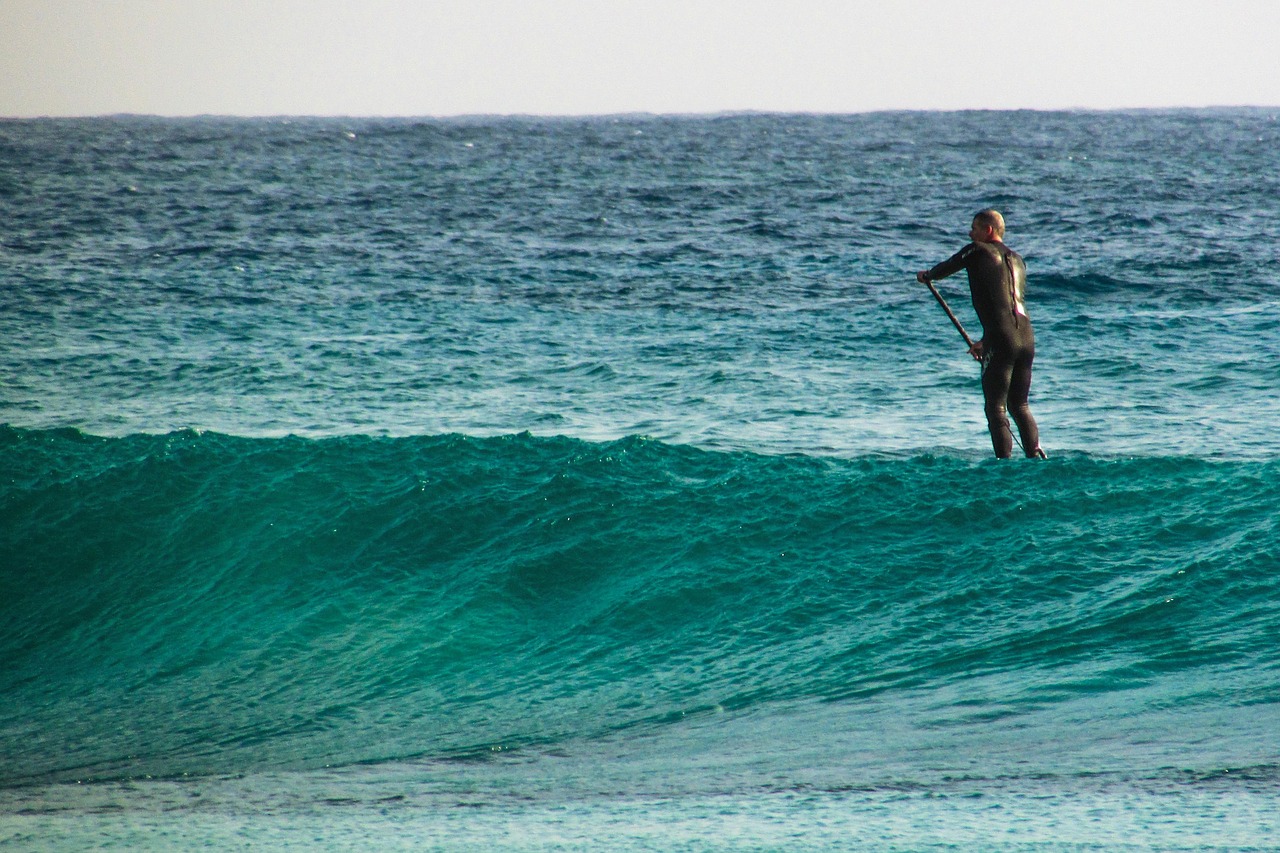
[(990, 218)]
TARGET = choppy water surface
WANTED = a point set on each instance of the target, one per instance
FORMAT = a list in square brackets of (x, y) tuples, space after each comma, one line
[(608, 483)]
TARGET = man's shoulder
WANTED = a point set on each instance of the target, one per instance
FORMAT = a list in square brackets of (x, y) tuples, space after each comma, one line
[(975, 251), (1000, 247)]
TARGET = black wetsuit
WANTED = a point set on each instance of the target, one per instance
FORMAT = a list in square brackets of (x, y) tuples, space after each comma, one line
[(998, 283)]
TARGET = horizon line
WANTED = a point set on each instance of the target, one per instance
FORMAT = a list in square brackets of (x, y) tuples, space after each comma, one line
[(728, 113)]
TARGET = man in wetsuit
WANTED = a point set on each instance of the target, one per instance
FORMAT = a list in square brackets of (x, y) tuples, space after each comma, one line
[(998, 283)]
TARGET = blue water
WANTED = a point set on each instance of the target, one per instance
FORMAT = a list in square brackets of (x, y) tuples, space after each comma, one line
[(609, 484)]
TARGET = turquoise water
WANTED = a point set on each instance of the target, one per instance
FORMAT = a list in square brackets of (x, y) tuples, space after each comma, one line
[(607, 484)]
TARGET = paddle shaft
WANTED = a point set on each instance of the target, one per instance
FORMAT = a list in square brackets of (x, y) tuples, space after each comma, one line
[(945, 307)]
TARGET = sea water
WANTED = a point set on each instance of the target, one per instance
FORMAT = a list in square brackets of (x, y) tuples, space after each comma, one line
[(608, 483)]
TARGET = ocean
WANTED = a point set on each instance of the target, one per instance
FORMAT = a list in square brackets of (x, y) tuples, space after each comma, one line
[(608, 483)]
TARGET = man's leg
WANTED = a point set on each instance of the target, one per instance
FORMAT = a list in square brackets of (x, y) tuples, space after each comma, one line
[(996, 379), (1020, 409)]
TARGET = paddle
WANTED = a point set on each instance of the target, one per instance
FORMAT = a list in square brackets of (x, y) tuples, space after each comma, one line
[(945, 307)]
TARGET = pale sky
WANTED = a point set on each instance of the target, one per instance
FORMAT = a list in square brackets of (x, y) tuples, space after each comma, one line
[(574, 57)]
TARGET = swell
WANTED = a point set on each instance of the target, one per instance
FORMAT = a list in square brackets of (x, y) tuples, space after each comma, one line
[(196, 602)]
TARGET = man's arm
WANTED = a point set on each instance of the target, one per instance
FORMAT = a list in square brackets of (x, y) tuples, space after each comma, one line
[(950, 266)]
